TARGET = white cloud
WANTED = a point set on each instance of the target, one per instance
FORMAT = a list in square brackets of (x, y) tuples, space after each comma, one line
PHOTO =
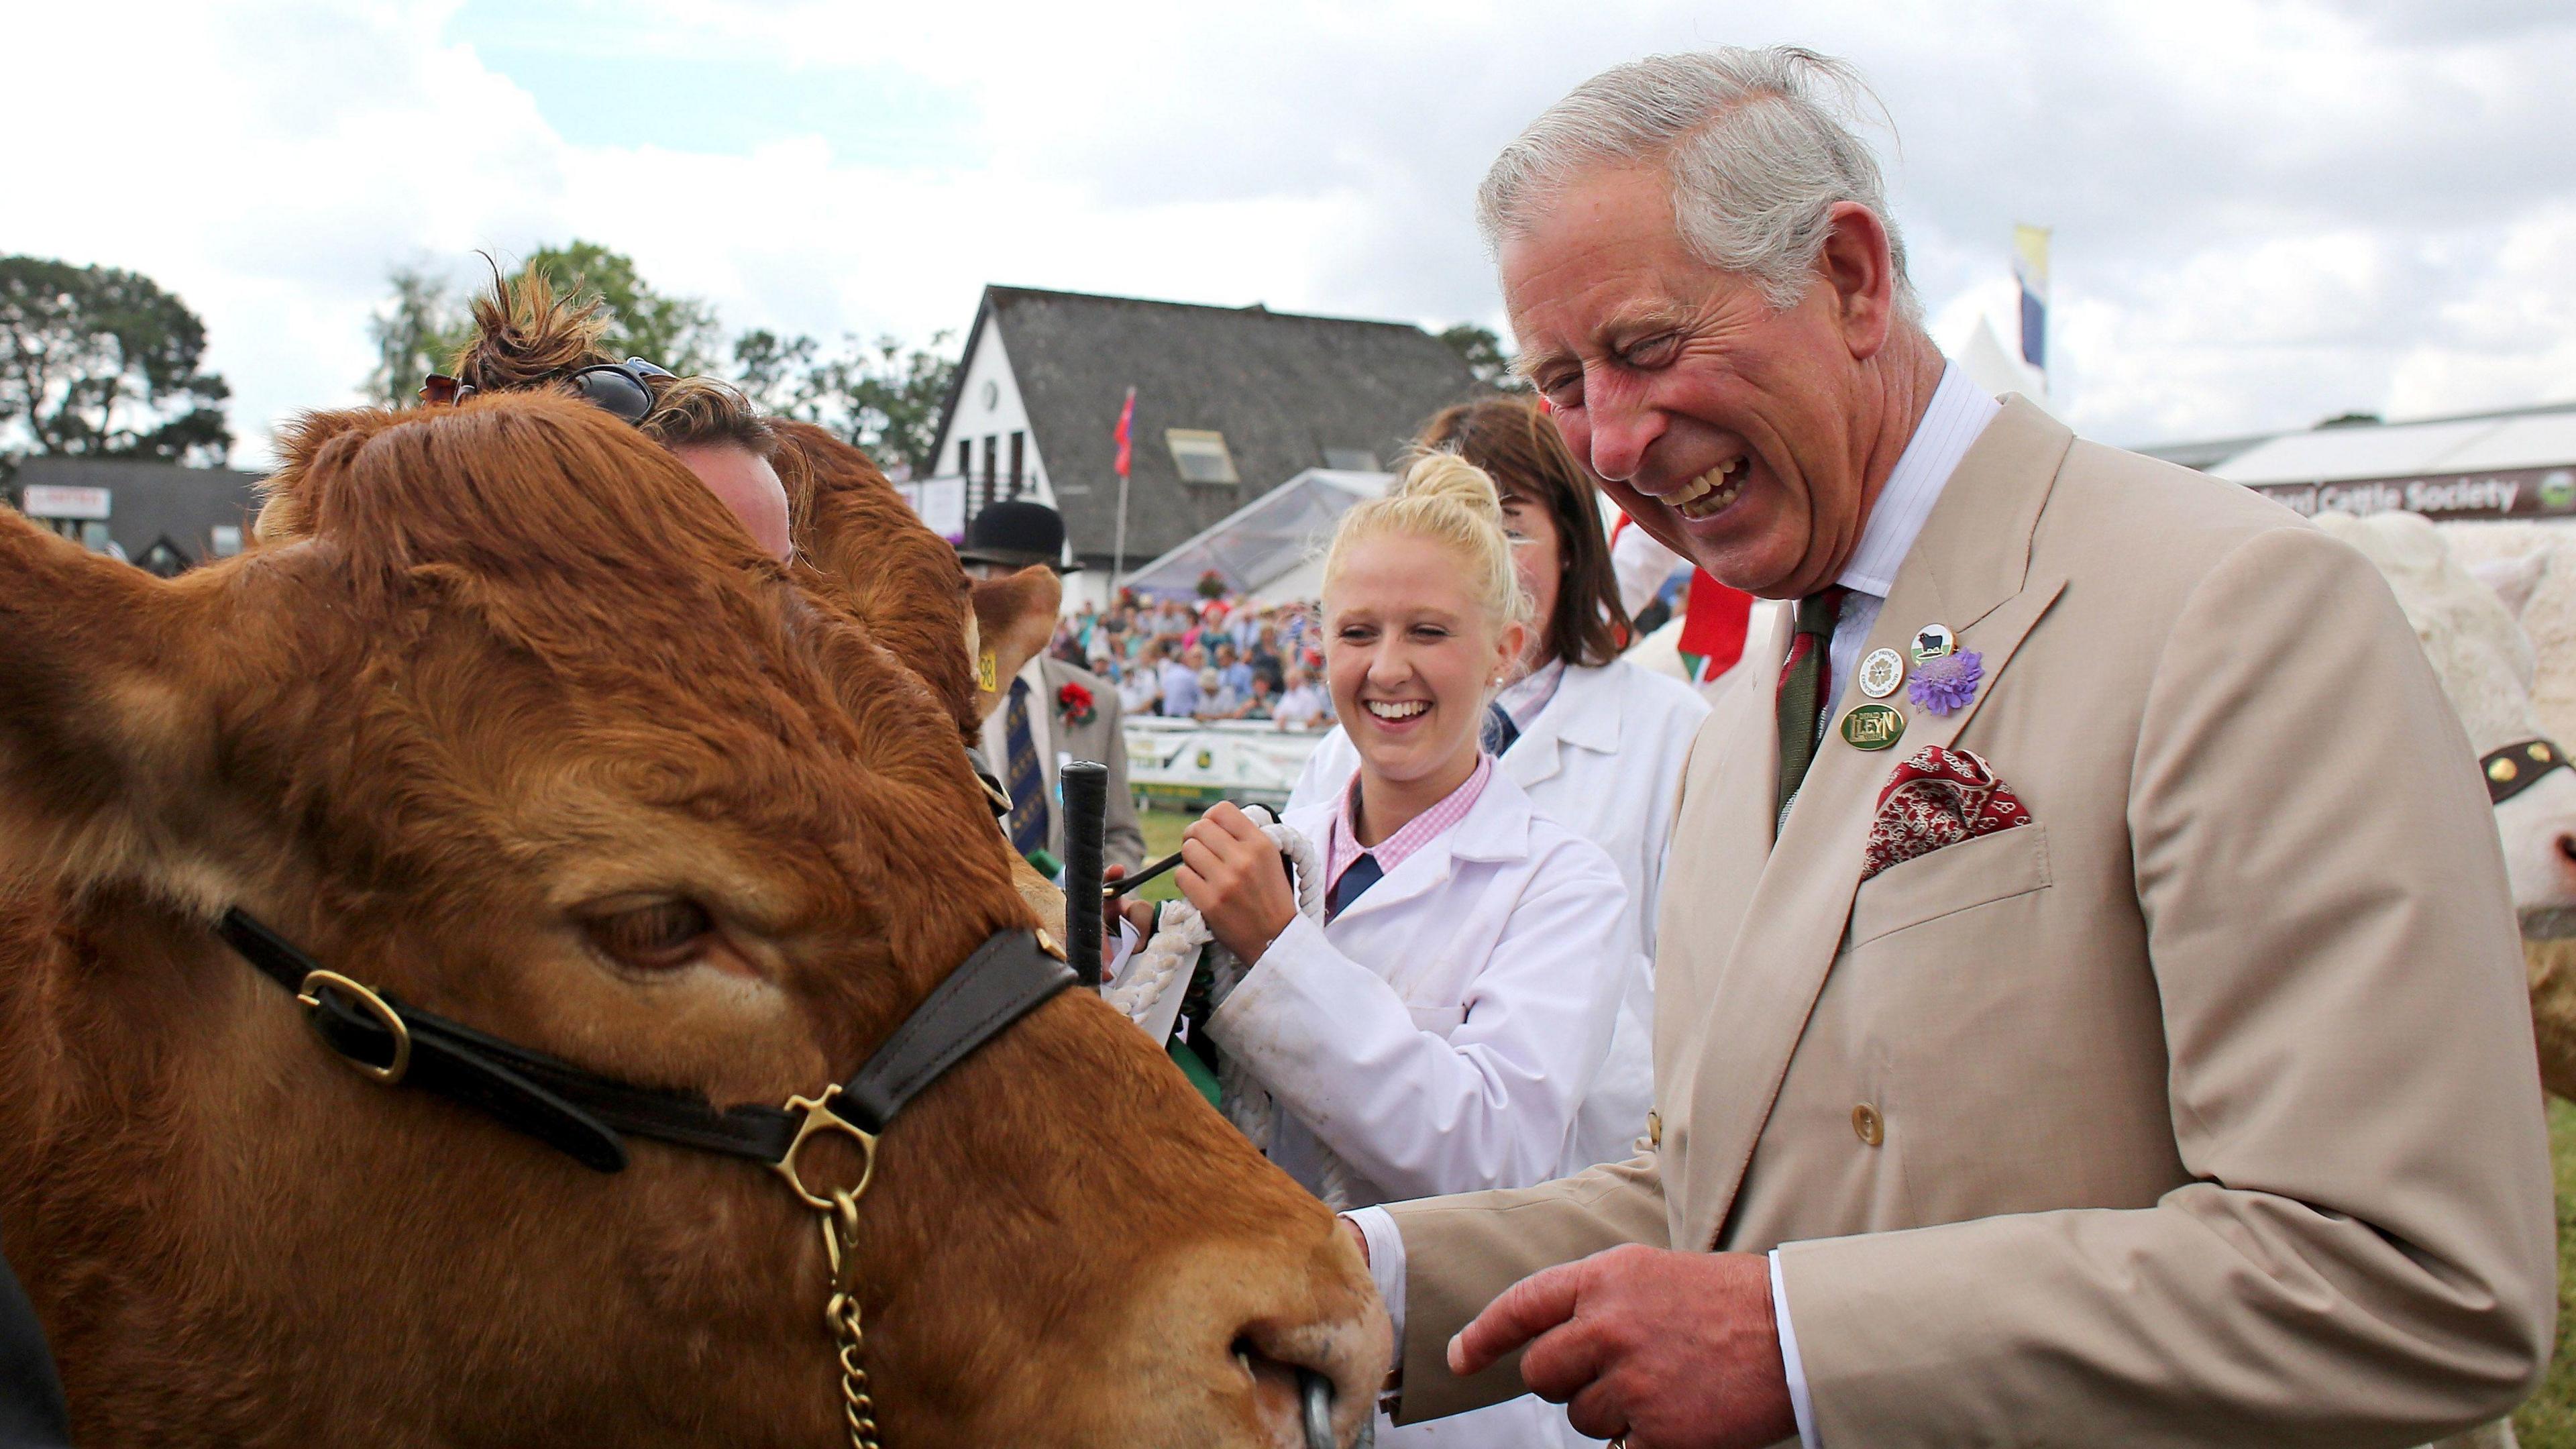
[(2264, 213)]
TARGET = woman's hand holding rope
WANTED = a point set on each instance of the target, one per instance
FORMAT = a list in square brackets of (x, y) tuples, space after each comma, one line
[(1232, 873)]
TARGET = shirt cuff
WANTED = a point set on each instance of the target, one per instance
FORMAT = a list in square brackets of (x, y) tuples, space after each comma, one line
[(1799, 1402), (1386, 1264)]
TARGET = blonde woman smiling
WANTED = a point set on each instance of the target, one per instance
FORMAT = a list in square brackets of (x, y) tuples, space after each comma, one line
[(1437, 1032)]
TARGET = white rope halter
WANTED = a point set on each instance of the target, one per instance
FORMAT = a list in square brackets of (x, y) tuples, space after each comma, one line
[(1149, 993)]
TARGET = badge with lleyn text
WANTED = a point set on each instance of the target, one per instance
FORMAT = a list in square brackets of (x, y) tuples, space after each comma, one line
[(1872, 727), (1881, 673), (1932, 641)]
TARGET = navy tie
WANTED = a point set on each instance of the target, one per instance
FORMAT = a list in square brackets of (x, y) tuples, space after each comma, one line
[(1020, 772), (1364, 872), (1499, 731)]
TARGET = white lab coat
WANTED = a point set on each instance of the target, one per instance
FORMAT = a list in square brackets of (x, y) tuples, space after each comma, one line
[(1439, 1033), (1604, 759)]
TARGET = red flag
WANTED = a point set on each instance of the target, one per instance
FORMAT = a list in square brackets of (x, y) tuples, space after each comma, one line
[(1126, 424)]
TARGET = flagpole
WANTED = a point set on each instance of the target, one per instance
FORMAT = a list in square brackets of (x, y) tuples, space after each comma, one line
[(1118, 559)]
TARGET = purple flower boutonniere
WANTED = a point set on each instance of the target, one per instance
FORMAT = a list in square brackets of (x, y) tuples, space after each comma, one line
[(1945, 685)]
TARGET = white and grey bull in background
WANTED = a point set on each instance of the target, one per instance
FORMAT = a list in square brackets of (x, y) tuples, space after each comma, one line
[(2471, 619)]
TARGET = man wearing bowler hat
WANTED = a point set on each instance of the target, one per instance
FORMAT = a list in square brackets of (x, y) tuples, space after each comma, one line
[(1053, 711)]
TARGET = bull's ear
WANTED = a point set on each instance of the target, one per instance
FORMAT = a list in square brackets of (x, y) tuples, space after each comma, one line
[(105, 744), (1014, 619), (2515, 580)]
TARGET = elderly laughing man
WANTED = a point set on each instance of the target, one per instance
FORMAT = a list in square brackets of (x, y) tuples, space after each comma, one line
[(2088, 1006)]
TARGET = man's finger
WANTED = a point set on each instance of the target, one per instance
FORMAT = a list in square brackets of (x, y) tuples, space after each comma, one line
[(1561, 1361), (1525, 1310), (1597, 1412)]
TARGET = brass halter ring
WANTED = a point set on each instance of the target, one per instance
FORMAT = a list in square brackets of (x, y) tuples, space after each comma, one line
[(310, 994), (819, 1117)]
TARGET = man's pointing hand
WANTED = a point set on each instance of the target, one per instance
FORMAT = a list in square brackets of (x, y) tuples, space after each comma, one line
[(1670, 1350)]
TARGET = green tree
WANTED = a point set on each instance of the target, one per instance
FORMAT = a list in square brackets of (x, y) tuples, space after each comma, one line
[(95, 360), (884, 397), (417, 332), (1485, 357), (679, 333), (775, 373), (888, 398)]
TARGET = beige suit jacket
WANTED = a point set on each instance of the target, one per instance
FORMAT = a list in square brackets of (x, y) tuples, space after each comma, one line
[(1103, 739), (2205, 1110)]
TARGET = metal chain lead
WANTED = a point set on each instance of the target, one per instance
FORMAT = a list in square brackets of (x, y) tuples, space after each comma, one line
[(841, 1246)]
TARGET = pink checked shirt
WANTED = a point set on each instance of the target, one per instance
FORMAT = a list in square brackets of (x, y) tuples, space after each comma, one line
[(1421, 830)]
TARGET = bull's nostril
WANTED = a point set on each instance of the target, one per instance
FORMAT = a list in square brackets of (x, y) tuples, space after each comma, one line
[(2567, 848)]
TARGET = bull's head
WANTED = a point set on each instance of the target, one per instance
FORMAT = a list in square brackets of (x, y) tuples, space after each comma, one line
[(519, 725)]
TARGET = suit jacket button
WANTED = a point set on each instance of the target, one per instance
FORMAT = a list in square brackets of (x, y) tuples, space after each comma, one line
[(1655, 1130), (1868, 1125)]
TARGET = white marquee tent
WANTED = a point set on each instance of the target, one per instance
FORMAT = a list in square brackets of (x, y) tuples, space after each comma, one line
[(1270, 548)]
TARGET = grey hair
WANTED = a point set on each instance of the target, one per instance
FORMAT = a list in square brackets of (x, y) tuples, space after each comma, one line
[(1758, 145)]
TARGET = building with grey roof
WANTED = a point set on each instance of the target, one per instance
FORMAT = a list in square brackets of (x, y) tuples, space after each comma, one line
[(158, 514), (1230, 403), (2505, 463)]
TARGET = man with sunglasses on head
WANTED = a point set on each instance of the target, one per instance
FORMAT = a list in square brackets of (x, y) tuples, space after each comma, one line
[(527, 340)]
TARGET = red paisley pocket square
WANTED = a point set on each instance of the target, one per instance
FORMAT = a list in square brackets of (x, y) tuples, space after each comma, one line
[(1937, 797)]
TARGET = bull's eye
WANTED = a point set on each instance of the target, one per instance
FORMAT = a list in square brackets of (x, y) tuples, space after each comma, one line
[(663, 936)]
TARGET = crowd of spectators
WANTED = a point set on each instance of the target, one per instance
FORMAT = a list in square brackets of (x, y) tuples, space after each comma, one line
[(1224, 657)]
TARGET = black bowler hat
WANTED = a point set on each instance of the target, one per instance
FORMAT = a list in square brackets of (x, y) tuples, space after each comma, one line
[(1015, 534)]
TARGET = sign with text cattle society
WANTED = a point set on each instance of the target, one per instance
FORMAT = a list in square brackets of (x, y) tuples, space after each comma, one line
[(2505, 493), (53, 500)]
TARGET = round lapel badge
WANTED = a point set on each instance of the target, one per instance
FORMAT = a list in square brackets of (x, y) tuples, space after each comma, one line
[(1933, 641), (1872, 727), (1881, 673)]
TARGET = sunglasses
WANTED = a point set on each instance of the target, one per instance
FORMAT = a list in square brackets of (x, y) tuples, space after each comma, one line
[(620, 389)]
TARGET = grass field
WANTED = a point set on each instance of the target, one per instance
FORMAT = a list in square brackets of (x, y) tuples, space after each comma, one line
[(1162, 836), (2547, 1422)]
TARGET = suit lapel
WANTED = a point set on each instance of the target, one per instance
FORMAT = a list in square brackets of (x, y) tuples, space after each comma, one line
[(1720, 844), (1969, 568)]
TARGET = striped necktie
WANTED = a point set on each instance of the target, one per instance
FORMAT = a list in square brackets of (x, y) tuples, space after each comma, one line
[(1021, 774), (1801, 698)]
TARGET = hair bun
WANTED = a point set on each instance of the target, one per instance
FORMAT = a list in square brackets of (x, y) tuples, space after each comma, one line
[(1444, 477), (1444, 497)]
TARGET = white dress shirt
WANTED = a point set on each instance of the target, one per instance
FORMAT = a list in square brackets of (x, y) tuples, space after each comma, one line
[(1951, 423), (997, 730)]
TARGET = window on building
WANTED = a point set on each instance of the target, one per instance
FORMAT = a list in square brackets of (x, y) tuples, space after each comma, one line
[(164, 558), (992, 465), (965, 457), (1019, 461), (1200, 455)]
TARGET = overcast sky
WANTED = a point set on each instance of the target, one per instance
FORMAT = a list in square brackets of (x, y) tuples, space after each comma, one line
[(2264, 214)]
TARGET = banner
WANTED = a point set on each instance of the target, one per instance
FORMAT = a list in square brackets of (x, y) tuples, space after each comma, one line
[(1126, 433), (2501, 493), (2030, 268)]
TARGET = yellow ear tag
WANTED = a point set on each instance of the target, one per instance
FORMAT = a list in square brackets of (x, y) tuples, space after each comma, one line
[(988, 673)]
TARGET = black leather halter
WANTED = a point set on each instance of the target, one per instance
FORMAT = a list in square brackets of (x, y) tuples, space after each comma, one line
[(584, 1114), (2517, 767)]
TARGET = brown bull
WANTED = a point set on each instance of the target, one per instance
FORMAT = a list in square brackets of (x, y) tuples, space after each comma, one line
[(524, 730)]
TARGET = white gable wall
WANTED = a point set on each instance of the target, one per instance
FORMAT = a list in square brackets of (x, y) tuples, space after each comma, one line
[(989, 406)]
